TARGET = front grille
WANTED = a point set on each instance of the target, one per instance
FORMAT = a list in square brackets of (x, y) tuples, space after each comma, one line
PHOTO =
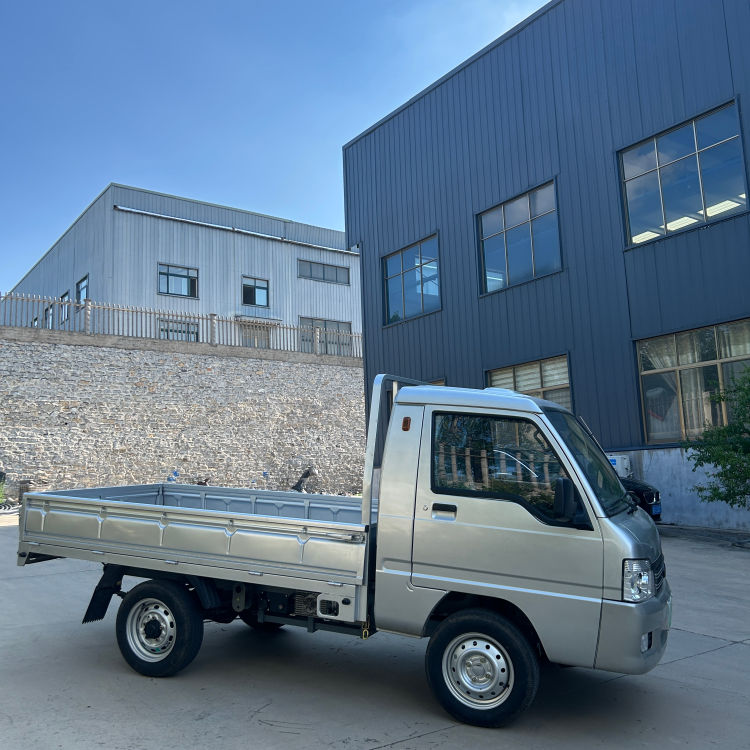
[(659, 570)]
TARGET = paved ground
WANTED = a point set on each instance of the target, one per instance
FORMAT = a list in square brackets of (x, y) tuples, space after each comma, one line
[(64, 685)]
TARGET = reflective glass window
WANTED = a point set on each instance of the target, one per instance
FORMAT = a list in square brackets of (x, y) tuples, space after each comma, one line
[(310, 269), (675, 144), (546, 244), (696, 346), (682, 373), (722, 171), (734, 339), (639, 159), (254, 291), (520, 263), (516, 211), (681, 192), (520, 239), (494, 263), (717, 127), (700, 410), (412, 281), (547, 378), (178, 280), (684, 177), (645, 217), (412, 292)]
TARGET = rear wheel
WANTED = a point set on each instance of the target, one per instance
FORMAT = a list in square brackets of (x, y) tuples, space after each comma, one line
[(481, 668), (159, 628), (250, 617)]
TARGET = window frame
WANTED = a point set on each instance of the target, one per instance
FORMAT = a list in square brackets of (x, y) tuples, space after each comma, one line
[(698, 224), (82, 283), (167, 273), (64, 315), (677, 369), (254, 286), (537, 392), (385, 278), (532, 509), (483, 290), (323, 266)]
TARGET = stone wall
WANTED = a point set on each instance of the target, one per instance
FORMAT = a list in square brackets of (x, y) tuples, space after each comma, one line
[(78, 410)]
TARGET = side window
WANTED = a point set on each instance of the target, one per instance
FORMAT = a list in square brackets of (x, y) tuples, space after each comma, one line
[(502, 458)]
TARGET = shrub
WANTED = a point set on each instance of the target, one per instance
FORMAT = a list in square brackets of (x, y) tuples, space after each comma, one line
[(725, 450)]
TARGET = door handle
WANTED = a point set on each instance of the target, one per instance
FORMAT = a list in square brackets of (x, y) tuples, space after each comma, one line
[(444, 511)]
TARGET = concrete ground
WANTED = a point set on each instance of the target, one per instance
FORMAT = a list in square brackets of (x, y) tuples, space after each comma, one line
[(64, 685)]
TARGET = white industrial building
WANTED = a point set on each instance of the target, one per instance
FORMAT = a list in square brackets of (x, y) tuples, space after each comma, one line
[(143, 249)]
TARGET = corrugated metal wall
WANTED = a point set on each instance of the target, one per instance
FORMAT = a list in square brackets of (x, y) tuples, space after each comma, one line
[(123, 236), (556, 98)]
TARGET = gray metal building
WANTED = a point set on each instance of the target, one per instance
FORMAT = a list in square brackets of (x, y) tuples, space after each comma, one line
[(144, 249), (566, 214)]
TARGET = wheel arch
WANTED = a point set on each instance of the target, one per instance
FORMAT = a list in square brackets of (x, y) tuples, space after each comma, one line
[(205, 590), (455, 602)]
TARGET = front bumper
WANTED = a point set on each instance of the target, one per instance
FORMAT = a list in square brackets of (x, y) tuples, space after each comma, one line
[(621, 630)]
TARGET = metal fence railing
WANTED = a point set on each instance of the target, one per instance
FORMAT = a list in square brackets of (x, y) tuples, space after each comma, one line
[(89, 317)]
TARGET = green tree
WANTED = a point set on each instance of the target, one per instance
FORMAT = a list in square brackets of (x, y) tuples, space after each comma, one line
[(725, 450)]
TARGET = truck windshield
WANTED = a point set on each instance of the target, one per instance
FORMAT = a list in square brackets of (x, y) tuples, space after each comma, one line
[(594, 464)]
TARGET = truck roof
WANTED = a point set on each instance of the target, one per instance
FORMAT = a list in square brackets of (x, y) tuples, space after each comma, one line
[(488, 398)]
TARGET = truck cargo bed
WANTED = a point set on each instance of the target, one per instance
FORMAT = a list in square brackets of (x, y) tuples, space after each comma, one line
[(290, 538)]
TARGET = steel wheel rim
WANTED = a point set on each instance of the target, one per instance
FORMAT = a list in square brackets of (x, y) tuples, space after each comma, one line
[(151, 630), (478, 671)]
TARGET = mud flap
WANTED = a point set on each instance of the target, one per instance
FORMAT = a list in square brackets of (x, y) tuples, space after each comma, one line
[(109, 584)]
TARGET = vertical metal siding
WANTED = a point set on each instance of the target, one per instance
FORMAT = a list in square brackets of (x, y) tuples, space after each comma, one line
[(556, 100), (121, 250)]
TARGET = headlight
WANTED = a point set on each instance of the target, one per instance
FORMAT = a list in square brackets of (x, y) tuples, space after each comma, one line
[(637, 580)]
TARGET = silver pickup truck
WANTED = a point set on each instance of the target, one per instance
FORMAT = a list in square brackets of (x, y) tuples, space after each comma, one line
[(494, 526)]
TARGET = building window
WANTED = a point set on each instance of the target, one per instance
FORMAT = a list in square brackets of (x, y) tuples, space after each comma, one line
[(500, 458), (308, 269), (254, 291), (178, 330), (178, 280), (64, 307), (682, 371), (412, 285), (82, 290), (683, 177), (333, 336), (546, 378), (520, 239)]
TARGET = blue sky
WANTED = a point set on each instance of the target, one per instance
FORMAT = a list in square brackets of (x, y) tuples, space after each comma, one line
[(246, 104)]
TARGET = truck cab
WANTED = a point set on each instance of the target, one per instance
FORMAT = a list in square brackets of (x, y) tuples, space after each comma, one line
[(494, 502)]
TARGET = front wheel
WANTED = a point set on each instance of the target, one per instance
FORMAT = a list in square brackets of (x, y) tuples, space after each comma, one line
[(159, 628), (481, 668)]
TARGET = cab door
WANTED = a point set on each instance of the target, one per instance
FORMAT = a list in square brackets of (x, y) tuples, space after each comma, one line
[(498, 513)]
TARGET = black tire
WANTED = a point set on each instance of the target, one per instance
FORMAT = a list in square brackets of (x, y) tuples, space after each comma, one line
[(159, 628), (481, 668), (250, 617)]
